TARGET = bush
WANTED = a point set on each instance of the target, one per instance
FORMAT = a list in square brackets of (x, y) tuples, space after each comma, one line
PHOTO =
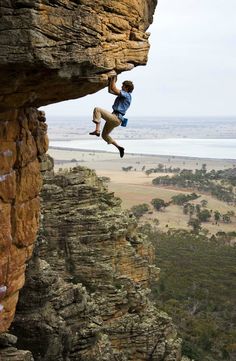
[(127, 169), (140, 209), (181, 198), (105, 179), (204, 215), (195, 223), (158, 203)]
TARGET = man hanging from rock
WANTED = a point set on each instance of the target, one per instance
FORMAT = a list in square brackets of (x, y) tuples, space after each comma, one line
[(116, 118)]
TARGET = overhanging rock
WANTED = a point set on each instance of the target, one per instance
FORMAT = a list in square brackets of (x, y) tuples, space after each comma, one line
[(54, 50)]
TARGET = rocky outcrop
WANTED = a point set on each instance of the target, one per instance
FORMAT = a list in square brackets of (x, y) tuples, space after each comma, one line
[(63, 49), (9, 352), (86, 294), (50, 51)]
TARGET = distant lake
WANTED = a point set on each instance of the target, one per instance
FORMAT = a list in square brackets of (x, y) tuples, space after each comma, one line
[(197, 148), (148, 127)]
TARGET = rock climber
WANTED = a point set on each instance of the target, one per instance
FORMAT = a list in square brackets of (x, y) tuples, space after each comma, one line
[(116, 118)]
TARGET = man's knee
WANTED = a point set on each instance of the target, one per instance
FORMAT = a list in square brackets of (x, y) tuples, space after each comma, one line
[(97, 115), (107, 138)]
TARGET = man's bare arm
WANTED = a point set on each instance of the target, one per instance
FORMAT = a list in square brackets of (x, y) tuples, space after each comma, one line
[(112, 86)]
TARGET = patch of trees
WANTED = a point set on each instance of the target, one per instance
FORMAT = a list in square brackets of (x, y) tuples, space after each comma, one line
[(198, 214), (158, 203), (217, 183), (181, 198), (127, 169), (195, 223), (197, 289), (105, 179), (228, 175), (161, 168), (204, 214), (140, 209)]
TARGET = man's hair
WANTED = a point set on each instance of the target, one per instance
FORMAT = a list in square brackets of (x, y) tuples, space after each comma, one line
[(129, 85)]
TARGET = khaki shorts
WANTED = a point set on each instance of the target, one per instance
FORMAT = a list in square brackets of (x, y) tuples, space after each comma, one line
[(112, 121)]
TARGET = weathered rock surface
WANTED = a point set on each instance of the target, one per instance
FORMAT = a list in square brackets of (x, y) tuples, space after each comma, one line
[(53, 50), (23, 140), (8, 351), (86, 293)]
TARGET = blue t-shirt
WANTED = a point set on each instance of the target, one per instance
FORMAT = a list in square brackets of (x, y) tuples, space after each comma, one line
[(122, 102)]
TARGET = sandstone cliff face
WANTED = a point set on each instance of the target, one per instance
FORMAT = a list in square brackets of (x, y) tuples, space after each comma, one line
[(86, 294), (51, 50), (23, 141)]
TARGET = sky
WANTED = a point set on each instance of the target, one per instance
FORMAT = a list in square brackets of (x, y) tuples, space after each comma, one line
[(191, 69)]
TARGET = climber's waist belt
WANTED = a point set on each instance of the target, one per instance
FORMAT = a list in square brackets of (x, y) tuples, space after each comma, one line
[(117, 113)]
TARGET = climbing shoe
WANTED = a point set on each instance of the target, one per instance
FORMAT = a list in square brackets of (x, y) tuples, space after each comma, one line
[(95, 133), (122, 151)]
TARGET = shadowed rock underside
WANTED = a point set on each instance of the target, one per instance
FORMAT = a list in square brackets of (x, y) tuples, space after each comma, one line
[(53, 50)]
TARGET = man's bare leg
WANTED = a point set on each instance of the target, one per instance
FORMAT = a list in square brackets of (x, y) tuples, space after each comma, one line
[(121, 149), (97, 130), (111, 122), (97, 120)]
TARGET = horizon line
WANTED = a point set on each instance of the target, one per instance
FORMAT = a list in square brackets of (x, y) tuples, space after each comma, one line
[(151, 116)]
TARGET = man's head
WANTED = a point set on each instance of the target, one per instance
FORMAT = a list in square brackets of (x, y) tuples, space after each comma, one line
[(128, 86)]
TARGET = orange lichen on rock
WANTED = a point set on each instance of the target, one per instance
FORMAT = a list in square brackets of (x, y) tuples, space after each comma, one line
[(23, 139)]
